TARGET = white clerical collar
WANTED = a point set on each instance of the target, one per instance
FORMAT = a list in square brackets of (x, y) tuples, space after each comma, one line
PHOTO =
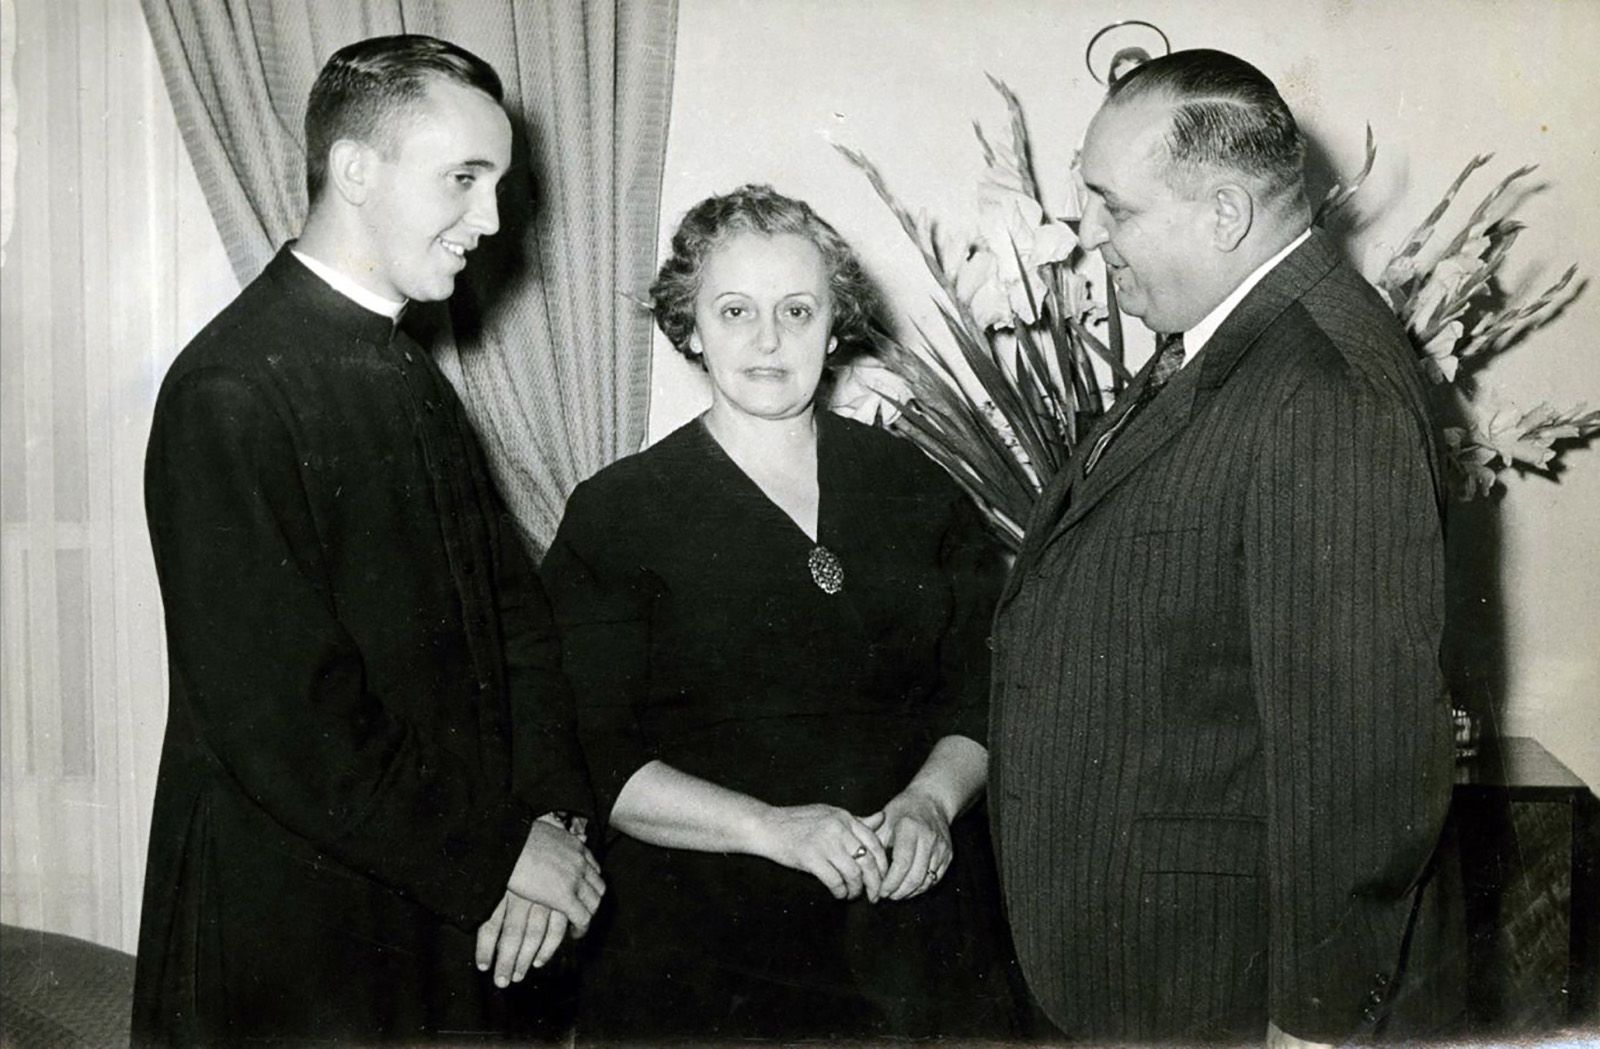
[(342, 284), (1195, 339)]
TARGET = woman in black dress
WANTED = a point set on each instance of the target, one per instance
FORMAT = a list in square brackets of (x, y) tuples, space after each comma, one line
[(775, 624)]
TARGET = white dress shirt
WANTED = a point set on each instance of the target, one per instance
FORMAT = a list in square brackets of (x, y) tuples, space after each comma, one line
[(1195, 339)]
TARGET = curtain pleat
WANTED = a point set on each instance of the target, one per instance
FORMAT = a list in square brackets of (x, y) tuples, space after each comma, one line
[(103, 274), (543, 338)]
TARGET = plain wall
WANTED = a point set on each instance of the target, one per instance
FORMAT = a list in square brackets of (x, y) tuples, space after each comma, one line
[(763, 88)]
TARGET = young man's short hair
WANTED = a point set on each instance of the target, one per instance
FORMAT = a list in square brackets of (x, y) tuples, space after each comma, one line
[(367, 88)]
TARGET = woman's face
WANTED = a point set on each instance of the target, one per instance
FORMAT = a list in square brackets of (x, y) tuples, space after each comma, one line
[(761, 320)]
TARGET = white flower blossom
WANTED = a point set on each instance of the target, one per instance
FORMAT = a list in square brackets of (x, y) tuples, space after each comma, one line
[(1014, 230), (1439, 362), (866, 390)]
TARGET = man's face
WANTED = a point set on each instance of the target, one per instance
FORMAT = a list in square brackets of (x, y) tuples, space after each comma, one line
[(432, 195), (1157, 242)]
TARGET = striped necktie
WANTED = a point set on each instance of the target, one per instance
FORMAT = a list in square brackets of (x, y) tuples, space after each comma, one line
[(1169, 358)]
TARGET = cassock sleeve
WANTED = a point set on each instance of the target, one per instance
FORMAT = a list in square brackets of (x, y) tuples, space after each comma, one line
[(602, 606), (548, 766), (1343, 563), (275, 684)]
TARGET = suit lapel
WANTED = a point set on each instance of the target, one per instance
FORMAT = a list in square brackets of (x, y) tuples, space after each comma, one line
[(1138, 438), (1068, 499), (1057, 496), (1276, 292), (1046, 508)]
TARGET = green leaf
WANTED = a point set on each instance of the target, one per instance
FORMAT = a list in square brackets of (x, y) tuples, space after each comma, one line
[(907, 221), (1483, 207), (1418, 237), (1117, 354), (1340, 193), (1113, 358), (1019, 138)]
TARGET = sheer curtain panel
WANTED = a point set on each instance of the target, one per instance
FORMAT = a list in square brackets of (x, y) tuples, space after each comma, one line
[(109, 264), (549, 353)]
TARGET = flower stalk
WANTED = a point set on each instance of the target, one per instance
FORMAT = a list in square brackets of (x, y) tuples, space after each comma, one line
[(1032, 350)]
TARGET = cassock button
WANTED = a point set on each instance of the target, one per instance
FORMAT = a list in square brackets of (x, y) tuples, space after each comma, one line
[(1372, 1016), (1375, 997)]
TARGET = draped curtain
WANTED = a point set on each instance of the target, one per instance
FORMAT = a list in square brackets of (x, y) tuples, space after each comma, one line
[(543, 338), (108, 263)]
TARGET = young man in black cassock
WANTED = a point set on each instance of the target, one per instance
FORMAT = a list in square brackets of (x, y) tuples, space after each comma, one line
[(343, 846)]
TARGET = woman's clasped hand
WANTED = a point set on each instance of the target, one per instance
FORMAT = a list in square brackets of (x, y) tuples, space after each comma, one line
[(841, 851), (915, 829), (896, 853)]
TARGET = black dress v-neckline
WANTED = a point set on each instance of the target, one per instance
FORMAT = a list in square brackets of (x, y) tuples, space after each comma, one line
[(758, 495)]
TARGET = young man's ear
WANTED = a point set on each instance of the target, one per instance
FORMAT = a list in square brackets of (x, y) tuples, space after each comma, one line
[(1233, 210), (350, 168)]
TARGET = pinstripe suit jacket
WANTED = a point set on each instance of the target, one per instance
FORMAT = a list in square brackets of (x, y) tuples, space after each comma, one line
[(1221, 752)]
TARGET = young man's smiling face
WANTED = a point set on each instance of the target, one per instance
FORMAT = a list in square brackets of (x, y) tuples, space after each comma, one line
[(432, 194)]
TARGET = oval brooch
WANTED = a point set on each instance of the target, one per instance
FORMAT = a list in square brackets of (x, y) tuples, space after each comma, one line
[(826, 571)]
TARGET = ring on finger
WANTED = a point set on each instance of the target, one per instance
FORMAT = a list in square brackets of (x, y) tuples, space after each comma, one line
[(860, 853)]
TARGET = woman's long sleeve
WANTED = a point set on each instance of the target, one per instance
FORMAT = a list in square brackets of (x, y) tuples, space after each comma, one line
[(971, 561)]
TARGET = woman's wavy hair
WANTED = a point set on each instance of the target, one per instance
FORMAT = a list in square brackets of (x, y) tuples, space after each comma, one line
[(761, 209)]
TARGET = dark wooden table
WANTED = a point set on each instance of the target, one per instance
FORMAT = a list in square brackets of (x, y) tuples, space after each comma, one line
[(1530, 851)]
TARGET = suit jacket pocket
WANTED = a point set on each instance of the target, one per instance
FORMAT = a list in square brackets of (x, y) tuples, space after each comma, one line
[(1196, 964), (1199, 844)]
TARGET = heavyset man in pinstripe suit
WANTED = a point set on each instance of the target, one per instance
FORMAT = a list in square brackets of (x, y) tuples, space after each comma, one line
[(1221, 745)]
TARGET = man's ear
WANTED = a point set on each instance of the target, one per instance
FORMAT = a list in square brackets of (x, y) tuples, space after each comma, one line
[(1233, 211), (350, 169)]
